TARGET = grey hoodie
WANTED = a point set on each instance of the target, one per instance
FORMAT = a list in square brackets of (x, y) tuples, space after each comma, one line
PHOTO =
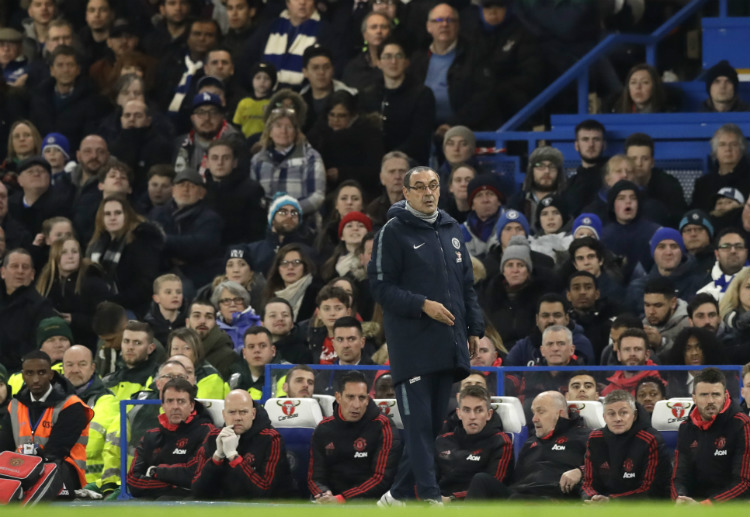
[(670, 329)]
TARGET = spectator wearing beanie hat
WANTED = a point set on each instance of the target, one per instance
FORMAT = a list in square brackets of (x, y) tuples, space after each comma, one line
[(486, 200), (53, 336), (722, 83), (284, 227), (345, 258), (237, 268), (698, 234), (551, 220), (290, 204), (518, 249), (352, 217), (515, 283), (544, 176), (671, 260), (512, 223), (729, 167), (627, 233), (589, 224), (459, 146), (56, 150)]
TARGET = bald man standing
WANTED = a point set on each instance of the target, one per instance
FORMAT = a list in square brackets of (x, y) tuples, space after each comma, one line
[(246, 459)]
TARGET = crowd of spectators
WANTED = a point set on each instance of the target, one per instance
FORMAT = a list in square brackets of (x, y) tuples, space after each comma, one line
[(200, 182)]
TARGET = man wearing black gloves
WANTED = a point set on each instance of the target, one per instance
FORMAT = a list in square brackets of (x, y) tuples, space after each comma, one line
[(354, 453), (476, 449), (712, 460), (164, 462), (626, 458), (244, 460)]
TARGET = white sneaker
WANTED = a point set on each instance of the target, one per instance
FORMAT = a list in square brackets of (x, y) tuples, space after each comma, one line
[(388, 500)]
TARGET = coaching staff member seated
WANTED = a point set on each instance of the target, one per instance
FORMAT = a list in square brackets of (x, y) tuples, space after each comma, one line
[(476, 448), (355, 452), (246, 459), (712, 460), (164, 462), (421, 274), (548, 464), (626, 458)]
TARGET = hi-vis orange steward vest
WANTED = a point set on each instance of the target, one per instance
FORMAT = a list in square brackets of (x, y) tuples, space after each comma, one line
[(24, 433)]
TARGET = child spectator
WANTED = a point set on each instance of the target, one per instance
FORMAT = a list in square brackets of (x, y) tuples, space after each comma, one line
[(552, 237), (168, 311), (159, 191), (249, 113), (56, 151), (115, 177), (345, 259), (333, 303)]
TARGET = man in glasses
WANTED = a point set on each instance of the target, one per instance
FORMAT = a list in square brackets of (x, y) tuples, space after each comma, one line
[(456, 74), (421, 275), (208, 123), (697, 232), (284, 217), (731, 257), (545, 176)]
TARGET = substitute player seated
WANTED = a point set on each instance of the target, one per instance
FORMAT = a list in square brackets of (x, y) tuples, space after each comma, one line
[(355, 452), (476, 448)]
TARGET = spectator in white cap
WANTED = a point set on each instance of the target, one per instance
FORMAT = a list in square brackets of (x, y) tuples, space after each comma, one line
[(729, 166), (726, 200)]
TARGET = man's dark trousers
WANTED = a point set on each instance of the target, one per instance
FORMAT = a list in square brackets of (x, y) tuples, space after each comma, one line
[(423, 404)]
